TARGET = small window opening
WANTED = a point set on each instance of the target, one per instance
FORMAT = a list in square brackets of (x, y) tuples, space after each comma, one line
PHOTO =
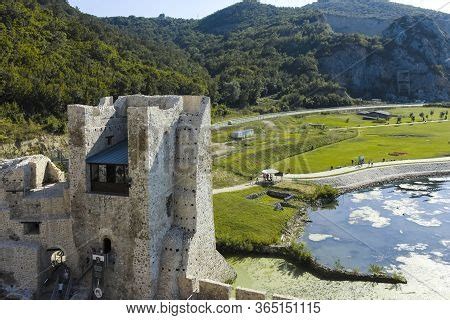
[(169, 205), (31, 228), (109, 140)]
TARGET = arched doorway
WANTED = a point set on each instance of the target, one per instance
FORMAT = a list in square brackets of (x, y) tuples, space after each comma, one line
[(107, 245)]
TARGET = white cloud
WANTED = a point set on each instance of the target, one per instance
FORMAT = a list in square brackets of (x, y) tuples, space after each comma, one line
[(410, 209), (375, 194), (370, 215), (316, 237)]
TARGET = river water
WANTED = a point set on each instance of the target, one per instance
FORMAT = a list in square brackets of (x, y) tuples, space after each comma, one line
[(402, 226), (378, 226)]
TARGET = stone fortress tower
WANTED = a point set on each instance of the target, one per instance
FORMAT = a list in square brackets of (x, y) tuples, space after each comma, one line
[(140, 193)]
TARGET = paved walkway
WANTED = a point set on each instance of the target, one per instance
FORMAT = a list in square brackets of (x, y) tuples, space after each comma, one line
[(239, 121), (234, 188), (338, 172)]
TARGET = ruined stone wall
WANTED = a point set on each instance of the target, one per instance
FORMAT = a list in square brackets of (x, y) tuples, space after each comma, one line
[(162, 234), (89, 129), (46, 205), (138, 224), (107, 216), (211, 290), (249, 294), (20, 261)]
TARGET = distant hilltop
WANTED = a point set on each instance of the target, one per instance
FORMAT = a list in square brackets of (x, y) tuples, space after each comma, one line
[(351, 1), (371, 17)]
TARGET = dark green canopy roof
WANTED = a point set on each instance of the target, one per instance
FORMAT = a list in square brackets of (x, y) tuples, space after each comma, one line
[(117, 154)]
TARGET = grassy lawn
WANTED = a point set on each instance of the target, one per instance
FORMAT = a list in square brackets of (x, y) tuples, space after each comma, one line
[(331, 120), (345, 120), (292, 145), (271, 143), (223, 178), (255, 155), (391, 143), (240, 221)]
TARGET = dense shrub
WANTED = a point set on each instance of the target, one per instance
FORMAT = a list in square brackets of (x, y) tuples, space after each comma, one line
[(325, 193)]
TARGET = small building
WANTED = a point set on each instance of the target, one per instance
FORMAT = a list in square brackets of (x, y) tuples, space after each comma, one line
[(321, 126), (375, 115), (243, 134)]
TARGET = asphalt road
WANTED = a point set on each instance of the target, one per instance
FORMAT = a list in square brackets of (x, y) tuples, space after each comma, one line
[(239, 121)]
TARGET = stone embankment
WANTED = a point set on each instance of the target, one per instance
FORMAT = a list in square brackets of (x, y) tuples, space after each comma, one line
[(380, 173)]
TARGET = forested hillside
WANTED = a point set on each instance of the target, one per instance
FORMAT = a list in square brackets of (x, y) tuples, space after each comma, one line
[(381, 9), (52, 55), (252, 50)]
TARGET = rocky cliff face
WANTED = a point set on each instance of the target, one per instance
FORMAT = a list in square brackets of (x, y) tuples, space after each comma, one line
[(411, 62), (371, 17), (367, 26)]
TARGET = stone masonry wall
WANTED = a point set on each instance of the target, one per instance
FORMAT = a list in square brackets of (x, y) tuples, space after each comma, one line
[(151, 156), (376, 175), (45, 205), (212, 290), (249, 294), (98, 216), (162, 234), (21, 261), (194, 193)]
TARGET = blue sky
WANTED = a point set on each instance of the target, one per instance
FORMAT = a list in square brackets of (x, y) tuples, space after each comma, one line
[(199, 8)]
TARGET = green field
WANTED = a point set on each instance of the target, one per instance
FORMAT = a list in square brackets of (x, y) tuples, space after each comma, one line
[(417, 141), (298, 144), (242, 222)]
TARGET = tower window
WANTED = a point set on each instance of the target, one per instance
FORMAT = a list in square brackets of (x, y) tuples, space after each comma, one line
[(31, 228), (109, 140), (107, 178), (169, 205)]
